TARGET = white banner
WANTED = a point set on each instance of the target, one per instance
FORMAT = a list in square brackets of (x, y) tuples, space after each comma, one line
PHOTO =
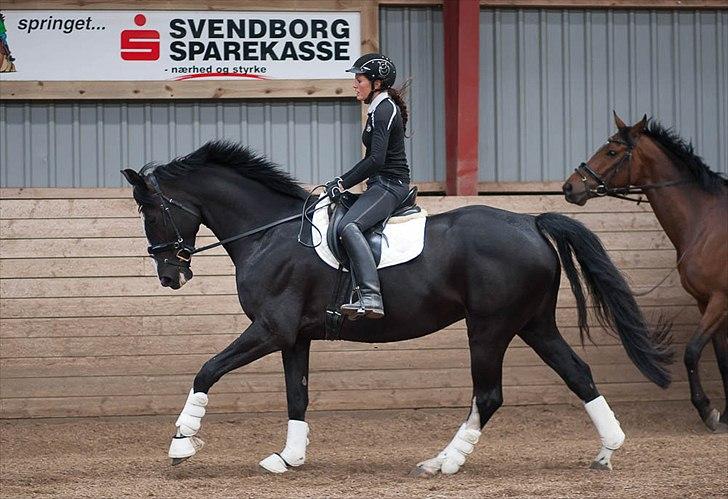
[(177, 45)]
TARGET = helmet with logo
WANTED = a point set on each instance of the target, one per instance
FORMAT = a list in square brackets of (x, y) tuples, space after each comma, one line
[(376, 67)]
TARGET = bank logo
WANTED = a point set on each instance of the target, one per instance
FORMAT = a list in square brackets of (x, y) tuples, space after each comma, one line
[(140, 44)]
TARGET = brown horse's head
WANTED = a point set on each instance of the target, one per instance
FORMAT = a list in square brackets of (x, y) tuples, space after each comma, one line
[(609, 167)]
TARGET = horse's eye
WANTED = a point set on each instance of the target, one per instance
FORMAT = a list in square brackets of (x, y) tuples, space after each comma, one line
[(612, 153)]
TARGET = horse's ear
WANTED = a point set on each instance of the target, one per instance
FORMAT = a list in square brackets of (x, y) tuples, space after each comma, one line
[(618, 121), (639, 127), (133, 177)]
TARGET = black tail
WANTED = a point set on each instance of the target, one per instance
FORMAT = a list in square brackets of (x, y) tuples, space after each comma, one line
[(615, 306)]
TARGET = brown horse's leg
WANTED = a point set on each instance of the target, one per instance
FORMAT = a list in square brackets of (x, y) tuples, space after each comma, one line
[(714, 319), (720, 344)]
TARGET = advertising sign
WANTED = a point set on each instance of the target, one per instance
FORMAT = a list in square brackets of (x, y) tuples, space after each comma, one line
[(83, 45)]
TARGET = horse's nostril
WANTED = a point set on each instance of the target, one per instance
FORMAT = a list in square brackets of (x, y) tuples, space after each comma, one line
[(165, 281), (568, 187)]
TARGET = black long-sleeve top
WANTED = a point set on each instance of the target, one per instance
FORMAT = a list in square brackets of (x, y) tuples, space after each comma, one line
[(383, 138)]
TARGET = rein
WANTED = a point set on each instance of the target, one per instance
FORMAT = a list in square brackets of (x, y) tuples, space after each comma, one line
[(184, 251), (602, 188)]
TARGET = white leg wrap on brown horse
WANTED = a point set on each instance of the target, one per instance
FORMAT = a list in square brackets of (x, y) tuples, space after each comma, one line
[(185, 444), (294, 454), (610, 432)]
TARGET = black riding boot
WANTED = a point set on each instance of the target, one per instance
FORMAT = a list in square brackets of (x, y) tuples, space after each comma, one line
[(366, 277)]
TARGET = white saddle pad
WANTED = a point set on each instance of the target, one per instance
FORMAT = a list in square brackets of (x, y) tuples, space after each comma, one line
[(403, 237)]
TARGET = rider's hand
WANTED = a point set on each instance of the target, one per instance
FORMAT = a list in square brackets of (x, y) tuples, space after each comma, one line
[(334, 188)]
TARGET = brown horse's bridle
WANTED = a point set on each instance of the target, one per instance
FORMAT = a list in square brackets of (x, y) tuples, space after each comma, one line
[(602, 188)]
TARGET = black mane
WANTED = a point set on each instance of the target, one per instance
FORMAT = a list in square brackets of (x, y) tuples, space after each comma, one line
[(230, 155), (688, 161)]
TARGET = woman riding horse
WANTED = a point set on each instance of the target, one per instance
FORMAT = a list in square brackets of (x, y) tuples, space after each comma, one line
[(385, 167)]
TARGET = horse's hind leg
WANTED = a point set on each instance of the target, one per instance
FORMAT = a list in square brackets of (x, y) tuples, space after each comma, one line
[(543, 336), (714, 321), (295, 366), (487, 348), (720, 344)]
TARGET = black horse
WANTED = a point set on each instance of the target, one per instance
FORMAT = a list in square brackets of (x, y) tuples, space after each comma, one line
[(494, 268)]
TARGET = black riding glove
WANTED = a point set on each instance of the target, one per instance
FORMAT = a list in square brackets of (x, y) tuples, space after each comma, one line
[(334, 188)]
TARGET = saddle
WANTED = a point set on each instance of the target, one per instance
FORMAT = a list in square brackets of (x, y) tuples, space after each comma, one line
[(373, 235)]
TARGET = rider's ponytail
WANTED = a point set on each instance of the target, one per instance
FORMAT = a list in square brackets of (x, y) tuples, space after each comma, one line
[(398, 95)]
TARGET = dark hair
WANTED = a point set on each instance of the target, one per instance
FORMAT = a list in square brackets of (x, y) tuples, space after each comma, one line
[(398, 95)]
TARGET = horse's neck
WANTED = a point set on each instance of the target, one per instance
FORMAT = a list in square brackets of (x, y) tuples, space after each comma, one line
[(678, 208), (231, 208)]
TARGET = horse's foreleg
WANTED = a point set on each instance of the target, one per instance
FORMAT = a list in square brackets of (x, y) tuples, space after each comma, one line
[(487, 349), (295, 366), (254, 343), (713, 321), (544, 337)]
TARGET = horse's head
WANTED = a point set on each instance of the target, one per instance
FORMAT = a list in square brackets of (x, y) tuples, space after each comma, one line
[(609, 168), (170, 226)]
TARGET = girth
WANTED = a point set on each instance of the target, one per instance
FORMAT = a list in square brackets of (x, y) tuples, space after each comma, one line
[(374, 234)]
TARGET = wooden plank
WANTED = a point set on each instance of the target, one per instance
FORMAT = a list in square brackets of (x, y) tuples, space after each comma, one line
[(204, 265), (328, 400), (684, 318), (65, 193), (139, 362), (658, 262), (84, 203), (218, 89), (53, 228), (68, 208), (117, 386), (167, 340), (171, 303), (369, 26), (148, 285), (136, 246)]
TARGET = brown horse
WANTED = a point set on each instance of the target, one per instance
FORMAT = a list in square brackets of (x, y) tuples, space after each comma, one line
[(691, 203)]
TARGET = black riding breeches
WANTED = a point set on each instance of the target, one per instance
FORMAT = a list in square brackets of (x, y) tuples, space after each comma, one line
[(381, 198)]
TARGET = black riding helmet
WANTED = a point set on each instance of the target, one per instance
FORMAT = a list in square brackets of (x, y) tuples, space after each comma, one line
[(375, 67)]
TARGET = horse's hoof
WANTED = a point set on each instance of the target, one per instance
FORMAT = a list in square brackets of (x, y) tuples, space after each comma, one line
[(274, 464), (420, 472), (713, 421), (598, 465), (178, 460)]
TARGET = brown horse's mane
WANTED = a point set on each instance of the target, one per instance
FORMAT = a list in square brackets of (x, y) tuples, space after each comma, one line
[(687, 160)]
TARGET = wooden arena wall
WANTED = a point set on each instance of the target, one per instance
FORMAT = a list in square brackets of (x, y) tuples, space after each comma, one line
[(86, 330)]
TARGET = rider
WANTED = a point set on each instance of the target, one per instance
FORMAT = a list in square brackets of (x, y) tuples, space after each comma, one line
[(385, 167)]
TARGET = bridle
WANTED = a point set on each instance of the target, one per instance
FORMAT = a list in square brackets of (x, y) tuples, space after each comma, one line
[(603, 189), (183, 251)]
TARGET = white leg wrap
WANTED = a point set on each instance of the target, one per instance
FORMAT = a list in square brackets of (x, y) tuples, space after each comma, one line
[(294, 453), (458, 449), (453, 456), (188, 422), (606, 423)]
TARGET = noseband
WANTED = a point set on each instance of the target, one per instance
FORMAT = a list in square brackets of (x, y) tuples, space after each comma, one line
[(603, 189)]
